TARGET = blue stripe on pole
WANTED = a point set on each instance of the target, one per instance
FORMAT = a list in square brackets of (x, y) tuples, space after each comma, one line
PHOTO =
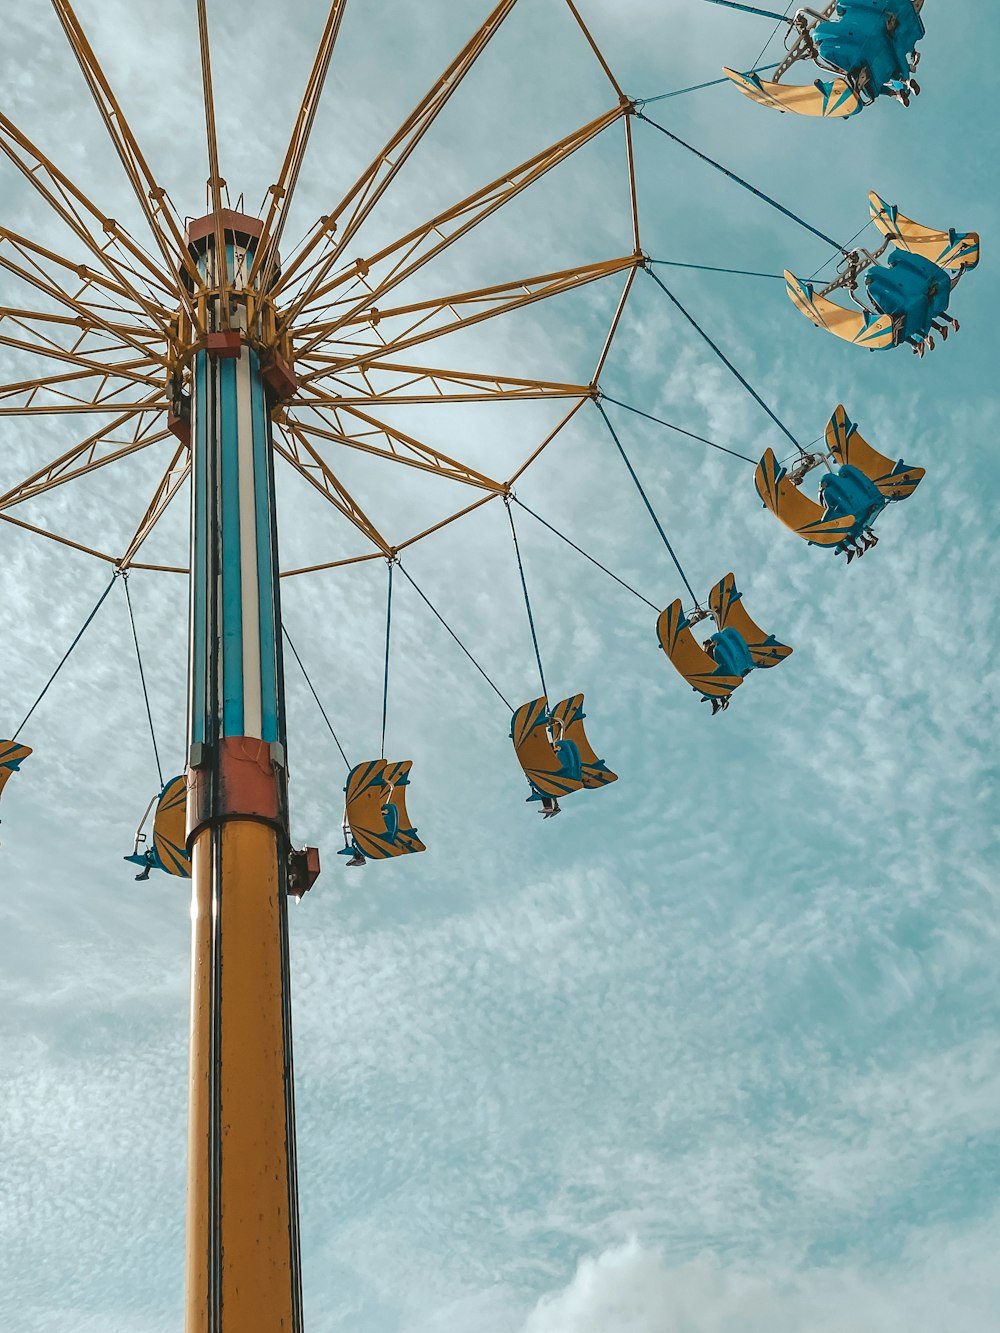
[(232, 584), (199, 555), (266, 572)]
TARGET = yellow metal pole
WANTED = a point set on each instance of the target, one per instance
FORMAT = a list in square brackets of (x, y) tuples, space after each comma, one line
[(242, 1257)]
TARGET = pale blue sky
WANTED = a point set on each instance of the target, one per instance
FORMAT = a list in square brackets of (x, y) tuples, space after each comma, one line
[(715, 1052)]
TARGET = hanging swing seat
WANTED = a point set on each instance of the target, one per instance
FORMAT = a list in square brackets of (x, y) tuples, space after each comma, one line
[(376, 822), (739, 646), (169, 850), (731, 616), (811, 521), (950, 250), (689, 658), (567, 725), (905, 298), (12, 754), (893, 480), (862, 328), (553, 767), (869, 44), (835, 100)]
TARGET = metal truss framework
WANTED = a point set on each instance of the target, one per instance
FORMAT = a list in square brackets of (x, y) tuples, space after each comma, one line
[(112, 327)]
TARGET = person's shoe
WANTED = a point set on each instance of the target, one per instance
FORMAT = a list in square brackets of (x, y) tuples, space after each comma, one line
[(357, 860)]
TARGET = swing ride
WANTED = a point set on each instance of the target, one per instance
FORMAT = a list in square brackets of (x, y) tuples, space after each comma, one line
[(232, 357), (723, 661), (851, 495), (906, 298), (870, 45)]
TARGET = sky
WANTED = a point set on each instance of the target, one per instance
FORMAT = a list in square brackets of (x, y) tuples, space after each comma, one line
[(713, 1052)]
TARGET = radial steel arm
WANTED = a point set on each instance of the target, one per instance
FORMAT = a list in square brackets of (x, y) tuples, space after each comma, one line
[(87, 456), (70, 204), (282, 191), (404, 256), (152, 198), (177, 473), (466, 309), (355, 429), (293, 446), (371, 185), (405, 385)]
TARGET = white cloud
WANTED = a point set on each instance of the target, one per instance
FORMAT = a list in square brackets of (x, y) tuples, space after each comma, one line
[(632, 1289)]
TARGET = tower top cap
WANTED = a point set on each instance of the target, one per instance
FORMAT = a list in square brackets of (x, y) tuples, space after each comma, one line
[(240, 224)]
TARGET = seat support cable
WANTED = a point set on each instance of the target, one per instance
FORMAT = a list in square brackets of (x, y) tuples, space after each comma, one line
[(388, 632), (640, 102), (646, 501), (711, 268), (726, 362), (752, 9), (740, 181), (680, 430), (312, 690), (142, 677), (586, 555), (438, 616), (85, 627), (524, 587)]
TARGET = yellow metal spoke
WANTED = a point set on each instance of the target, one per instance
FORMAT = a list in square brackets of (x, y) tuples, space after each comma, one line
[(55, 537), (34, 254), (404, 385), (371, 185), (215, 182), (52, 382), (56, 353), (596, 50), (393, 445), (83, 458), (67, 201), (88, 323), (633, 191), (152, 198), (547, 441), (92, 390), (78, 409), (471, 308), (293, 446), (177, 473), (328, 564), (404, 256), (445, 522), (615, 323), (282, 191), (409, 541)]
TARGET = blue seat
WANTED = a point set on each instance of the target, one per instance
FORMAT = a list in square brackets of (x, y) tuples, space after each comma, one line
[(849, 491), (910, 289), (870, 41), (731, 653), (391, 816), (570, 768)]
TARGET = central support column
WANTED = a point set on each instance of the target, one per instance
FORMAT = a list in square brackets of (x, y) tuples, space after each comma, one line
[(242, 1231)]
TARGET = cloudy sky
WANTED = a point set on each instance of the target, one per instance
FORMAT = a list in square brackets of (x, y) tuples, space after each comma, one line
[(715, 1052)]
